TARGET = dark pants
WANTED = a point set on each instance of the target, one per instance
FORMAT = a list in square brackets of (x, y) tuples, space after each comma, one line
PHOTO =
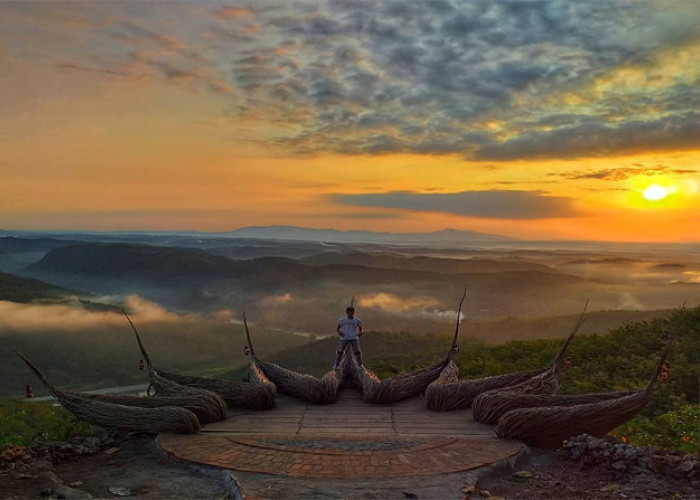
[(354, 343)]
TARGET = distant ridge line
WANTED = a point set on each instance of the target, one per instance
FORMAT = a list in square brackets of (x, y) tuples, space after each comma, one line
[(447, 235)]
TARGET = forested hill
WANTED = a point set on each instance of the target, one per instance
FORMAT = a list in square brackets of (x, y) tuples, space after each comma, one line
[(119, 268), (17, 289)]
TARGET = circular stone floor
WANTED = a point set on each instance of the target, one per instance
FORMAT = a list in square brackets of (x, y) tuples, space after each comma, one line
[(348, 439)]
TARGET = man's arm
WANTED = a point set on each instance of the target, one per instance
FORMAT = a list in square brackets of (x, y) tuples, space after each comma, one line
[(360, 328), (338, 329)]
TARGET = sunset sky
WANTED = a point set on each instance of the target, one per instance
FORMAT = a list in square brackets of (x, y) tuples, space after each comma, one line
[(553, 119)]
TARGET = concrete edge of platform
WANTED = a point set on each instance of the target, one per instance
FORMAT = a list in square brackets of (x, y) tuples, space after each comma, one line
[(234, 488)]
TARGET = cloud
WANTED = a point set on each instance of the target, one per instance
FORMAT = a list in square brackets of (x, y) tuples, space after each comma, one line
[(31, 317), (426, 77), (391, 302), (497, 204), (671, 132), (127, 30), (623, 173), (411, 307), (275, 300), (502, 80), (234, 13)]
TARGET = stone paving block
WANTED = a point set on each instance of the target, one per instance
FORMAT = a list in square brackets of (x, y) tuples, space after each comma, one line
[(346, 440)]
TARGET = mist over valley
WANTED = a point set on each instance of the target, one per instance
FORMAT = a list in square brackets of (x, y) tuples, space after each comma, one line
[(187, 293)]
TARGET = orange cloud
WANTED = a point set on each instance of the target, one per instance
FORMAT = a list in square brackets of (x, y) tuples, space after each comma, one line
[(234, 13)]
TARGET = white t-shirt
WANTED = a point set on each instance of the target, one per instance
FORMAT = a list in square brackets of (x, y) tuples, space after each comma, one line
[(349, 327)]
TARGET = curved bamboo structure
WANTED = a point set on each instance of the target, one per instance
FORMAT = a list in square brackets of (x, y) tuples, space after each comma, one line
[(489, 406), (549, 425), (142, 414), (449, 393), (216, 408), (395, 389), (258, 394), (320, 391), (404, 386)]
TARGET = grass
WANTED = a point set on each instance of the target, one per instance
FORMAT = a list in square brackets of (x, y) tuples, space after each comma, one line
[(24, 422)]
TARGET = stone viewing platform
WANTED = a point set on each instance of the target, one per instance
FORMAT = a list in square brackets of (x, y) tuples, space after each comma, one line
[(346, 440)]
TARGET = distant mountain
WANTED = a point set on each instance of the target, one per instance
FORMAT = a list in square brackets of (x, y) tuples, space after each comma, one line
[(446, 236), (17, 289), (16, 252), (14, 244), (120, 261)]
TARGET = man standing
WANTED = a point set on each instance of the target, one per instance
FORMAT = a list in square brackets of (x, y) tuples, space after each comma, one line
[(349, 329)]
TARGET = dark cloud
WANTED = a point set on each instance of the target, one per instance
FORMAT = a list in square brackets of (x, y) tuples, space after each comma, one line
[(622, 173), (189, 75), (496, 204), (387, 76), (127, 30), (423, 77), (104, 71), (670, 132)]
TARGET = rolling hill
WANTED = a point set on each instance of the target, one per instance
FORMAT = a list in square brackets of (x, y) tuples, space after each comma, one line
[(105, 265), (17, 289)]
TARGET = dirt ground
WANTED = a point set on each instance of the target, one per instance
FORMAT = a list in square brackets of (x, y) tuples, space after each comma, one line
[(140, 468), (556, 477), (137, 466)]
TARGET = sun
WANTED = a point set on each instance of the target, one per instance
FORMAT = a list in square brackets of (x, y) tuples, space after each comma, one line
[(655, 192)]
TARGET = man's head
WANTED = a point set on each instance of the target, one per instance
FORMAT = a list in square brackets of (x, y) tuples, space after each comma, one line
[(350, 311)]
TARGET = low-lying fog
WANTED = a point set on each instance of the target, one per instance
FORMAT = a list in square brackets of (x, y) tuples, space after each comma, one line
[(191, 321)]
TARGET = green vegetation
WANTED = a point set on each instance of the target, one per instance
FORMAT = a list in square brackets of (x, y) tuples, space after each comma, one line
[(674, 430), (23, 422)]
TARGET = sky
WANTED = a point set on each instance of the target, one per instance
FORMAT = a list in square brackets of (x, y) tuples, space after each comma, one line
[(558, 119)]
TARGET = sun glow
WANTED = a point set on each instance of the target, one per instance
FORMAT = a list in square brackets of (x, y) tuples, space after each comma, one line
[(656, 192)]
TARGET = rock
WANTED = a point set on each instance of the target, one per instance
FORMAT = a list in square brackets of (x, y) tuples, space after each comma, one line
[(46, 492), (523, 474), (409, 495), (22, 475), (610, 487), (674, 472), (111, 451), (638, 470), (687, 466), (619, 465), (485, 493), (120, 491), (468, 488)]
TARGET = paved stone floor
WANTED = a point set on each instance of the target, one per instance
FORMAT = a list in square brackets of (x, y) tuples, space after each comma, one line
[(348, 439)]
